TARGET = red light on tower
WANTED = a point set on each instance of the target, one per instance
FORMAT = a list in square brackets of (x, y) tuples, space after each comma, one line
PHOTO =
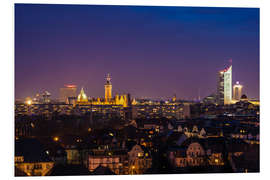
[(70, 86)]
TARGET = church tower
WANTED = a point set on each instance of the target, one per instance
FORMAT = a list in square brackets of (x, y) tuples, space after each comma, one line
[(108, 89)]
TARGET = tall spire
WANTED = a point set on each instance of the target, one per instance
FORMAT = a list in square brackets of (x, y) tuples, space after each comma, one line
[(108, 79), (230, 61), (108, 89), (82, 91), (199, 94)]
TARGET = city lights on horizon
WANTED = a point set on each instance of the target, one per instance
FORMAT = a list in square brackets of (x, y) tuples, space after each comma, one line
[(228, 94), (108, 90)]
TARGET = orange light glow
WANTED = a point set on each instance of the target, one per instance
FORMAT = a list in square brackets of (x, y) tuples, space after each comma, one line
[(70, 86), (29, 102), (56, 138)]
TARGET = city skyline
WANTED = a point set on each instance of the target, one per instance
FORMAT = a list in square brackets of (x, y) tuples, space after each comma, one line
[(127, 90), (157, 56)]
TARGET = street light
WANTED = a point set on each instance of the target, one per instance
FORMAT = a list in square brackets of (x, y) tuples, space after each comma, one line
[(28, 101), (132, 167), (56, 138)]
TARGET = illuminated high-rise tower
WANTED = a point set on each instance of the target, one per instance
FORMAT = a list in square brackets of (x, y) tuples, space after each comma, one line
[(237, 91), (66, 92), (108, 89), (224, 89)]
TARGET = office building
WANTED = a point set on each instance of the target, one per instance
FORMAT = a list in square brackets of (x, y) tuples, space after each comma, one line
[(237, 91), (224, 88), (66, 92)]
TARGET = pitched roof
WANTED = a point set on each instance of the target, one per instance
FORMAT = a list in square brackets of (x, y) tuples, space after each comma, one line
[(101, 170), (18, 172)]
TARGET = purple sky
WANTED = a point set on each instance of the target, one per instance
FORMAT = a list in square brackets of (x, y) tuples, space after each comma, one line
[(149, 51)]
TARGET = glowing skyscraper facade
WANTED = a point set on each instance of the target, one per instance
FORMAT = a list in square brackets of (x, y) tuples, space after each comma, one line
[(224, 89), (237, 91)]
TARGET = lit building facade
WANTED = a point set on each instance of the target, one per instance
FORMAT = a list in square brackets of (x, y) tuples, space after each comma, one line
[(108, 89), (46, 97), (237, 91), (122, 100), (33, 168), (224, 88), (82, 98), (116, 160), (138, 160), (67, 92), (194, 156), (155, 110), (31, 158)]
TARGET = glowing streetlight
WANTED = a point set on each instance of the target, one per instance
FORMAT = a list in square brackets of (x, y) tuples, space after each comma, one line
[(132, 168), (56, 138), (29, 102)]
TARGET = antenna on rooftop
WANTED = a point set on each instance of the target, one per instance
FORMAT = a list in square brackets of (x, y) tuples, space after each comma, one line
[(199, 94)]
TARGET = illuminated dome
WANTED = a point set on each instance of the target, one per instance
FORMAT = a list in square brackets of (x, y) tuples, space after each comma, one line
[(82, 96)]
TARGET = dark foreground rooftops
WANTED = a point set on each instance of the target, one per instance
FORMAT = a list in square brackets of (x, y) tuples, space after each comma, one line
[(31, 150)]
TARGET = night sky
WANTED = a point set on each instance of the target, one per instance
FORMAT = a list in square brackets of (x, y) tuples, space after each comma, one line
[(150, 52)]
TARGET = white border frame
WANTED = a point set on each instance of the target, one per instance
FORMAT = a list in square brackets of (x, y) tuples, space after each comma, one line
[(7, 79)]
